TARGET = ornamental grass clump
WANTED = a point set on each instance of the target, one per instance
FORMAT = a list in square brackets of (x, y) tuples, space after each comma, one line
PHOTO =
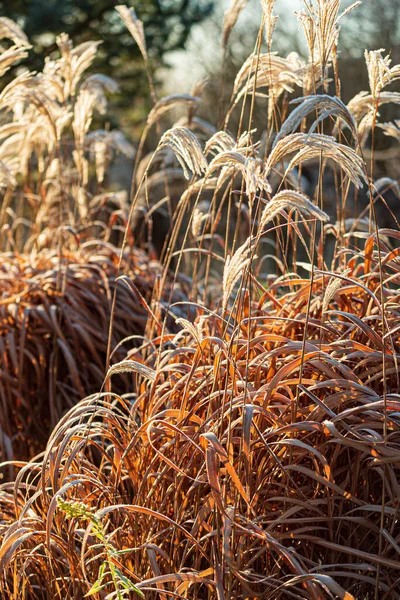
[(256, 455), (54, 327)]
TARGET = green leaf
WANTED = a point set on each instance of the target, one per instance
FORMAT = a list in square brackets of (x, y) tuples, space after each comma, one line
[(102, 570), (128, 584), (96, 587)]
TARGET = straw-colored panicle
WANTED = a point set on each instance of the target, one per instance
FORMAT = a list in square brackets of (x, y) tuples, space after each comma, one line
[(83, 114), (383, 184), (232, 155), (254, 178), (222, 141), (41, 133), (41, 118), (11, 30), (198, 219), (291, 200), (194, 329), (102, 144), (268, 70), (134, 26), (72, 64), (100, 150), (234, 269), (328, 106), (81, 200), (230, 18), (379, 71), (186, 148), (9, 57), (100, 85), (334, 285), (270, 20), (39, 152), (308, 146), (364, 105), (169, 103), (307, 21), (320, 23), (251, 169), (391, 129)]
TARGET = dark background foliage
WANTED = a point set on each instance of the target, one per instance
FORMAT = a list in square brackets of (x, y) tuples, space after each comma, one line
[(167, 25)]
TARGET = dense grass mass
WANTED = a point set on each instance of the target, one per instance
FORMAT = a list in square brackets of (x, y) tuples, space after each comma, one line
[(55, 314), (248, 462), (224, 422)]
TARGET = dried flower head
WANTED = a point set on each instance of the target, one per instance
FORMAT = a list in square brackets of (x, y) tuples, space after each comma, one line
[(230, 18), (9, 57), (320, 23), (329, 106), (234, 268), (134, 26), (270, 20), (268, 70), (308, 146), (186, 148), (222, 141), (198, 219), (334, 285), (379, 73), (251, 169), (391, 129), (169, 103), (11, 30), (293, 200)]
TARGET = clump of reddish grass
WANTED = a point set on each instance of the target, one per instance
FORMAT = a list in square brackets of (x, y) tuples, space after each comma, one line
[(54, 325), (258, 456)]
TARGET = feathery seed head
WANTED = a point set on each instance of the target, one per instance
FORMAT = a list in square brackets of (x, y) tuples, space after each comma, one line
[(186, 148), (230, 18), (134, 26), (293, 200)]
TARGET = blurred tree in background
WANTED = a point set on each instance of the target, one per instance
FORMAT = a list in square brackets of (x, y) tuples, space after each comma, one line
[(167, 25)]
